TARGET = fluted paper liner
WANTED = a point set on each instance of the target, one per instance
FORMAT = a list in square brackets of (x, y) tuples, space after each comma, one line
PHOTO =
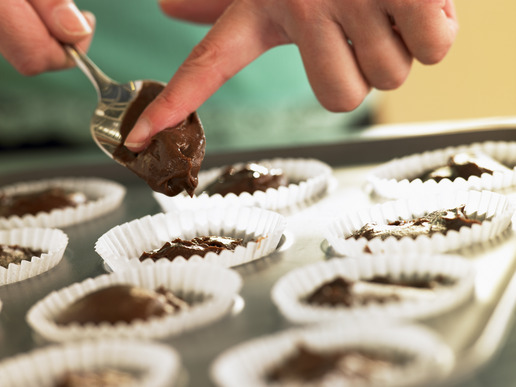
[(155, 364), (260, 229), (51, 241), (218, 286), (103, 196), (248, 363), (309, 179), (393, 179), (494, 210), (289, 291)]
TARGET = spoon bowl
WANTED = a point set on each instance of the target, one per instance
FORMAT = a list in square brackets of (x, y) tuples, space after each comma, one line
[(114, 100)]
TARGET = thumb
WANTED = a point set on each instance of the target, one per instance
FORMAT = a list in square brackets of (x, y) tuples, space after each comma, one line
[(63, 19)]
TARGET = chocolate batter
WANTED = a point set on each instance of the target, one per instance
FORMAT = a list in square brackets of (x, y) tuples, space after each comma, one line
[(380, 290), (172, 160), (121, 303), (438, 221), (250, 178), (196, 246), (40, 201), (16, 254), (353, 365), (464, 165)]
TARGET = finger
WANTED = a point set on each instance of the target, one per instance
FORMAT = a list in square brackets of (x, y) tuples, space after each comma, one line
[(85, 43), (381, 54), (198, 11), (219, 56), (330, 64), (428, 28), (26, 42), (63, 19)]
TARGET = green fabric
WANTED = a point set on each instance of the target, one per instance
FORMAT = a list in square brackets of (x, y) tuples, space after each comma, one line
[(269, 103)]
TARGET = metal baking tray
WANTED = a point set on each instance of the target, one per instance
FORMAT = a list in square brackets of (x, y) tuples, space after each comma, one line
[(475, 331)]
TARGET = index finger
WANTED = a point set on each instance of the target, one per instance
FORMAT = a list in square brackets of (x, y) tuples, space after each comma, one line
[(236, 39)]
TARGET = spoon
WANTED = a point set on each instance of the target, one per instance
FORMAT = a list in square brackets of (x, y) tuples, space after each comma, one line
[(107, 125)]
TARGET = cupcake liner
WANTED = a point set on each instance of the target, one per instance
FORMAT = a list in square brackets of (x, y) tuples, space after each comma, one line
[(52, 242), (216, 284), (289, 291), (312, 178), (494, 210), (155, 365), (248, 363), (391, 180), (103, 196), (260, 229)]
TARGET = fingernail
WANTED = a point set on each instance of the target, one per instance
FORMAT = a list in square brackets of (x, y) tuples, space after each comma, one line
[(71, 20), (139, 135)]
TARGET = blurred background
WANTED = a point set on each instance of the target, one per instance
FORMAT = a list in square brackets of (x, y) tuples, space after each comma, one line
[(476, 79)]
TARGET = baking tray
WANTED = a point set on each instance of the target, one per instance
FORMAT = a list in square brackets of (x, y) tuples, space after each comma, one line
[(475, 331)]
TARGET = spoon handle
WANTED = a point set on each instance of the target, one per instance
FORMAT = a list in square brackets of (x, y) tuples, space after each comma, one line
[(100, 80)]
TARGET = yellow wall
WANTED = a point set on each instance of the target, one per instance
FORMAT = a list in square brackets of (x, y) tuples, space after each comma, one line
[(476, 79)]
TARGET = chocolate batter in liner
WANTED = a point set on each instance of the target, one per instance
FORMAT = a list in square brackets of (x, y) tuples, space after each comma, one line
[(377, 355), (370, 287), (493, 210), (208, 289)]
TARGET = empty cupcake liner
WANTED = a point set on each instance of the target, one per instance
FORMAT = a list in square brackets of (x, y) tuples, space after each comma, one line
[(103, 196), (52, 242), (247, 364), (493, 210), (392, 180), (154, 365), (260, 229), (217, 285), (289, 291), (310, 178)]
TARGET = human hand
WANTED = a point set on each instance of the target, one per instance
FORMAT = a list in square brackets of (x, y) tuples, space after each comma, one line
[(347, 47), (30, 32)]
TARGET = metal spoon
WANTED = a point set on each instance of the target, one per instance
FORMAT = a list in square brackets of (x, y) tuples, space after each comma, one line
[(114, 100)]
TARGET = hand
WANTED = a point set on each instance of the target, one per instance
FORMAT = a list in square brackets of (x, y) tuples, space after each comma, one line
[(30, 31), (347, 47)]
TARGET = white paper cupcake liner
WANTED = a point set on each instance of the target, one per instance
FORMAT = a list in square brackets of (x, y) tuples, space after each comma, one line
[(248, 363), (103, 196), (155, 365), (52, 242), (494, 210), (312, 178), (290, 290), (260, 229), (218, 285), (391, 180)]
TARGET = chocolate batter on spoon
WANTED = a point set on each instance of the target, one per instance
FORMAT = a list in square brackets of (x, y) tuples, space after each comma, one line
[(172, 160)]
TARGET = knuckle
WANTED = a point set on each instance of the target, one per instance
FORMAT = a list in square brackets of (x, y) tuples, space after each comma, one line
[(28, 66), (391, 81), (204, 54), (207, 56), (434, 55), (304, 11)]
